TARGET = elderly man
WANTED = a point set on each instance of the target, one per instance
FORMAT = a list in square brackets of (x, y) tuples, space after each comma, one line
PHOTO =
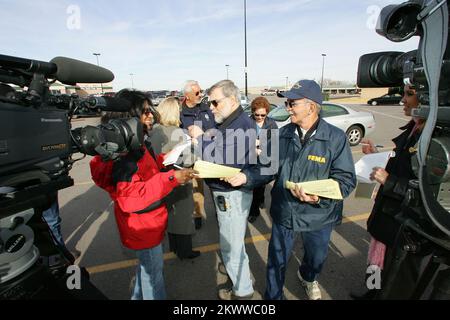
[(193, 111), (232, 144), (309, 149)]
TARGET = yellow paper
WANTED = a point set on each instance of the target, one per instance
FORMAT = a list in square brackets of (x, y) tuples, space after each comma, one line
[(323, 188), (211, 170)]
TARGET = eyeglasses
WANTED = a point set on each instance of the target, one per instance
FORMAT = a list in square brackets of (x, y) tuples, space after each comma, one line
[(215, 103), (147, 112), (291, 104), (260, 115)]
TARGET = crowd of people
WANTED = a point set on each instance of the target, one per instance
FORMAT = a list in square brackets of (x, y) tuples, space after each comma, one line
[(151, 199)]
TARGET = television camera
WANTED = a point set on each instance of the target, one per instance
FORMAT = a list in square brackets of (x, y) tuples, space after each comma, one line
[(36, 155), (425, 217)]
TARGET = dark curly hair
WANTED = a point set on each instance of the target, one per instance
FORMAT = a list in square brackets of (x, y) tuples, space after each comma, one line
[(137, 99)]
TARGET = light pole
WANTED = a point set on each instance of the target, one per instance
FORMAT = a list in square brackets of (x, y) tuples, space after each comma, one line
[(132, 83), (227, 66), (323, 67), (287, 83), (96, 55), (245, 39)]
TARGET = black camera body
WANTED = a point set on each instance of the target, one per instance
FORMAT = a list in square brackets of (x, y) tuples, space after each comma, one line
[(36, 148), (425, 218)]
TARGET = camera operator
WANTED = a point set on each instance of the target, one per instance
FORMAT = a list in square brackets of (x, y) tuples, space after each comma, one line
[(138, 189), (382, 225)]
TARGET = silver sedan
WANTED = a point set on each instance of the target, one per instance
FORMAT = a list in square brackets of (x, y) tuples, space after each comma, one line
[(356, 124)]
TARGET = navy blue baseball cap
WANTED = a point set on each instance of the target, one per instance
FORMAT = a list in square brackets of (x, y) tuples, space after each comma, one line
[(302, 89)]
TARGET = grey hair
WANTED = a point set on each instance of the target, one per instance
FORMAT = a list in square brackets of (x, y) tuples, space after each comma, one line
[(188, 85), (229, 89), (318, 106)]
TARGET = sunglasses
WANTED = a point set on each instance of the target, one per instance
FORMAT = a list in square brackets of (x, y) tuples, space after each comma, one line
[(291, 104), (260, 115), (147, 112), (215, 103)]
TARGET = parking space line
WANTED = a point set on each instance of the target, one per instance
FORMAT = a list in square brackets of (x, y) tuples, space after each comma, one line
[(386, 115), (84, 183), (204, 249)]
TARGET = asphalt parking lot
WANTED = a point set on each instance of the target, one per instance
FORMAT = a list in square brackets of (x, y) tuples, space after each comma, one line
[(89, 226)]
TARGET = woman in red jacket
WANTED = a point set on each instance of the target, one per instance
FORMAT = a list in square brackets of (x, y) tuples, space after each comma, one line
[(138, 189)]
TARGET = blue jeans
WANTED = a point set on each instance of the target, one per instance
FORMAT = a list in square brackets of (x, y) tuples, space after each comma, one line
[(51, 216), (149, 275), (315, 244), (232, 227)]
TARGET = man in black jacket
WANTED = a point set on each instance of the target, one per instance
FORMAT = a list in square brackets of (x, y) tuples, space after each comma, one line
[(194, 111), (232, 144)]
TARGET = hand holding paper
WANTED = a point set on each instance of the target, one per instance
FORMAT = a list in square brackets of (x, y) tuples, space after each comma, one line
[(211, 170), (328, 188), (365, 165), (173, 155)]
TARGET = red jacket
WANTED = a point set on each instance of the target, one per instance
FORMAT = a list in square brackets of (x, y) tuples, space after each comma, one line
[(134, 183)]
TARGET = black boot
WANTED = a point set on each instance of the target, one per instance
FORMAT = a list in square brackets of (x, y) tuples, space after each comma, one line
[(369, 294)]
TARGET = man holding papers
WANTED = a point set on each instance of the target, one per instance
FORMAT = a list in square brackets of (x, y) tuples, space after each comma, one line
[(233, 144), (310, 149)]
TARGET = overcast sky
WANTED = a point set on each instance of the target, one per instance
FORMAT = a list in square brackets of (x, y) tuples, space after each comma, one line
[(164, 43)]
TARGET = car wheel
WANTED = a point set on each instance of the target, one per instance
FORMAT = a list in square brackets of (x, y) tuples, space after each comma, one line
[(374, 103), (354, 135)]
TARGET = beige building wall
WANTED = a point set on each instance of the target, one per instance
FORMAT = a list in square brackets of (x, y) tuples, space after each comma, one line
[(369, 93), (82, 89)]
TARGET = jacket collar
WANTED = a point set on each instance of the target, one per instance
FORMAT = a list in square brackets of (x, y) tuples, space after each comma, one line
[(322, 132), (197, 108), (409, 125), (233, 116)]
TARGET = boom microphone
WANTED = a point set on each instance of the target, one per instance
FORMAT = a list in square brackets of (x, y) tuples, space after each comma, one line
[(109, 104), (71, 71), (66, 70)]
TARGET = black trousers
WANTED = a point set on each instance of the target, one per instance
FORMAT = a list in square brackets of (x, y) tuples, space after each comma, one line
[(258, 200), (180, 244)]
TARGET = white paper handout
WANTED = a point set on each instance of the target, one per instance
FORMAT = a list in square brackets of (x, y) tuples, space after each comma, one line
[(365, 165), (174, 154)]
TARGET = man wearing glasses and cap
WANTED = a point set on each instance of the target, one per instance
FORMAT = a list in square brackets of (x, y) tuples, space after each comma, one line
[(310, 149), (194, 111)]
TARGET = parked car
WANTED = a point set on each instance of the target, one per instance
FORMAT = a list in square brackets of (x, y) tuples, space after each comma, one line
[(356, 124), (109, 94), (386, 99), (244, 101), (156, 100), (85, 112), (268, 92)]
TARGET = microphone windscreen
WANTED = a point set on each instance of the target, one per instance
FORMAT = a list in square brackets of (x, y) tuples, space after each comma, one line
[(71, 71)]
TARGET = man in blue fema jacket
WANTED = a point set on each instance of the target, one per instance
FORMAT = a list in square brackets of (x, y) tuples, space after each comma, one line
[(309, 149), (232, 144)]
